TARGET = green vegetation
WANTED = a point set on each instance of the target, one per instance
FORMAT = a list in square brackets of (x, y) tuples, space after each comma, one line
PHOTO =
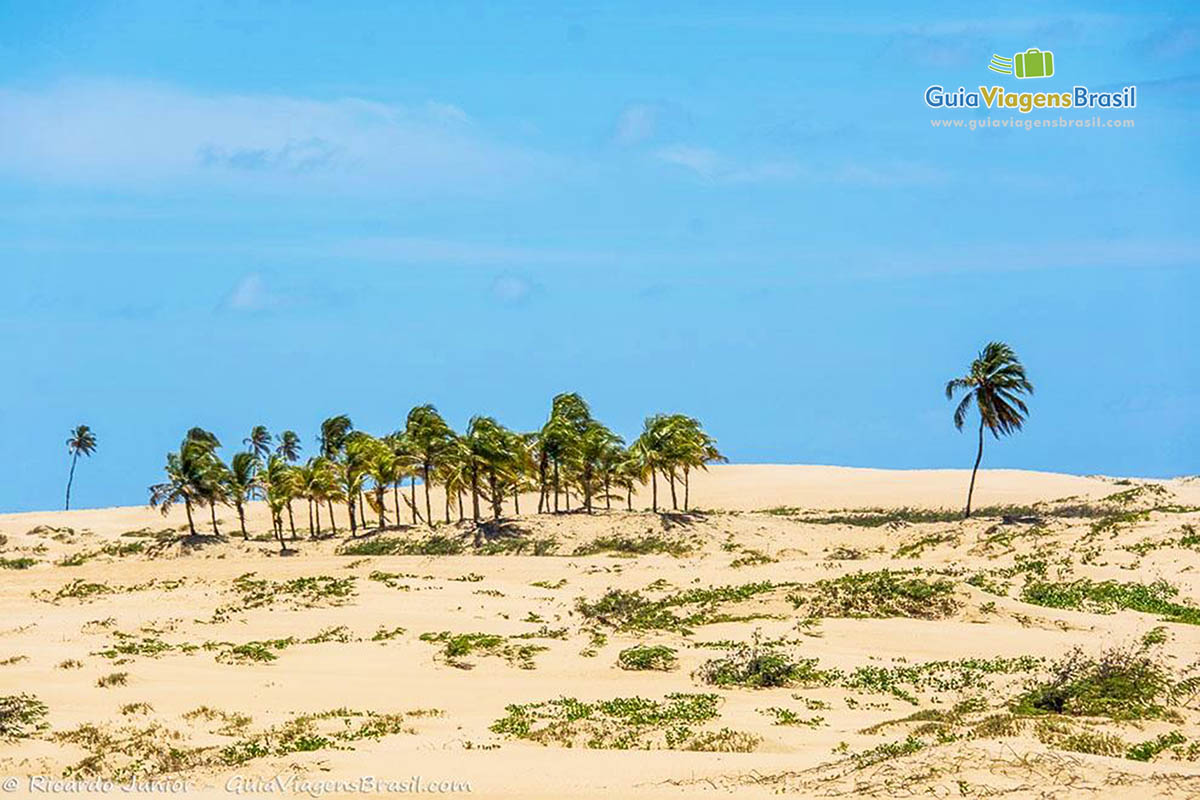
[(1146, 751), (785, 716), (1107, 596), (879, 594), (433, 545), (680, 612), (21, 716), (648, 657), (623, 723), (113, 679), (1120, 683), (643, 545), (755, 666), (24, 562), (457, 646), (307, 592)]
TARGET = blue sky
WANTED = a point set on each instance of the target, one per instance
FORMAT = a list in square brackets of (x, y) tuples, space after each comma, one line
[(222, 214)]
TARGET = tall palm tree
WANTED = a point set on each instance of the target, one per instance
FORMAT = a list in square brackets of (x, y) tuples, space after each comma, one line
[(592, 448), (289, 447), (428, 435), (557, 442), (189, 472), (993, 385), (259, 442), (242, 483), (81, 442), (332, 440), (653, 451)]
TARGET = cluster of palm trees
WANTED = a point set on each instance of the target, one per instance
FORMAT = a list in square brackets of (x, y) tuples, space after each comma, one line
[(572, 456)]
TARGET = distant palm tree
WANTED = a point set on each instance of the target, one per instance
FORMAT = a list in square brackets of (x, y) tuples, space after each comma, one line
[(993, 384), (242, 482), (259, 442), (334, 431), (428, 436), (82, 442), (289, 447), (189, 475)]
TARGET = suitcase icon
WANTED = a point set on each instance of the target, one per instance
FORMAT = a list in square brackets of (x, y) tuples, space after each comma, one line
[(1034, 63)]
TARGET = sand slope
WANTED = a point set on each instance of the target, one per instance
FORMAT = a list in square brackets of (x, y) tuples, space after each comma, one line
[(173, 614)]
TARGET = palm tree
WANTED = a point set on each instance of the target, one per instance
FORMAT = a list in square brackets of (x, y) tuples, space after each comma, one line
[(332, 440), (289, 447), (691, 448), (428, 435), (189, 472), (592, 448), (653, 451), (242, 483), (279, 482), (558, 440), (994, 381), (82, 442), (259, 442)]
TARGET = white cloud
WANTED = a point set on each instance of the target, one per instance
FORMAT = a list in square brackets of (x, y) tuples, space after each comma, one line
[(113, 133), (636, 123), (713, 166), (250, 294)]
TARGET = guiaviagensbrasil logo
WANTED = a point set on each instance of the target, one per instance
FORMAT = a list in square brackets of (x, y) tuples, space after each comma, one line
[(1033, 63), (1030, 63)]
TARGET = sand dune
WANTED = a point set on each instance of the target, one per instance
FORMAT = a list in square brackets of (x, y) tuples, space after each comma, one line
[(333, 667)]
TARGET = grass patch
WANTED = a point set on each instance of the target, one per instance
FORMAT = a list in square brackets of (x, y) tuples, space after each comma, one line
[(308, 592), (880, 594), (455, 647), (1146, 751), (648, 657), (21, 716), (753, 666), (624, 723), (680, 612), (1105, 597), (1120, 683), (433, 545), (113, 679), (634, 546), (24, 562)]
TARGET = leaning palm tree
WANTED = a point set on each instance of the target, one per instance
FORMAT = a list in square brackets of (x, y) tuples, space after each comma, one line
[(82, 442), (428, 436), (259, 442), (992, 385), (189, 472), (289, 447), (242, 484)]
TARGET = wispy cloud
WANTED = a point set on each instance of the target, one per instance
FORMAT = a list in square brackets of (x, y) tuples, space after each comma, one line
[(250, 294), (117, 133), (711, 165), (636, 123)]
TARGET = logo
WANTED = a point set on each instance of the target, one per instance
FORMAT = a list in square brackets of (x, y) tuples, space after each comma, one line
[(1033, 63)]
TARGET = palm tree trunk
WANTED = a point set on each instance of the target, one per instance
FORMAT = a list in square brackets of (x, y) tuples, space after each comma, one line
[(462, 513), (516, 502), (212, 507), (396, 499), (654, 489), (607, 493), (556, 486), (978, 458), (187, 506), (629, 497), (425, 480), (332, 519), (350, 498), (447, 495), (541, 483), (311, 533), (474, 494), (317, 505), (686, 481), (674, 501), (413, 487), (242, 520), (497, 499), (70, 480), (292, 521)]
